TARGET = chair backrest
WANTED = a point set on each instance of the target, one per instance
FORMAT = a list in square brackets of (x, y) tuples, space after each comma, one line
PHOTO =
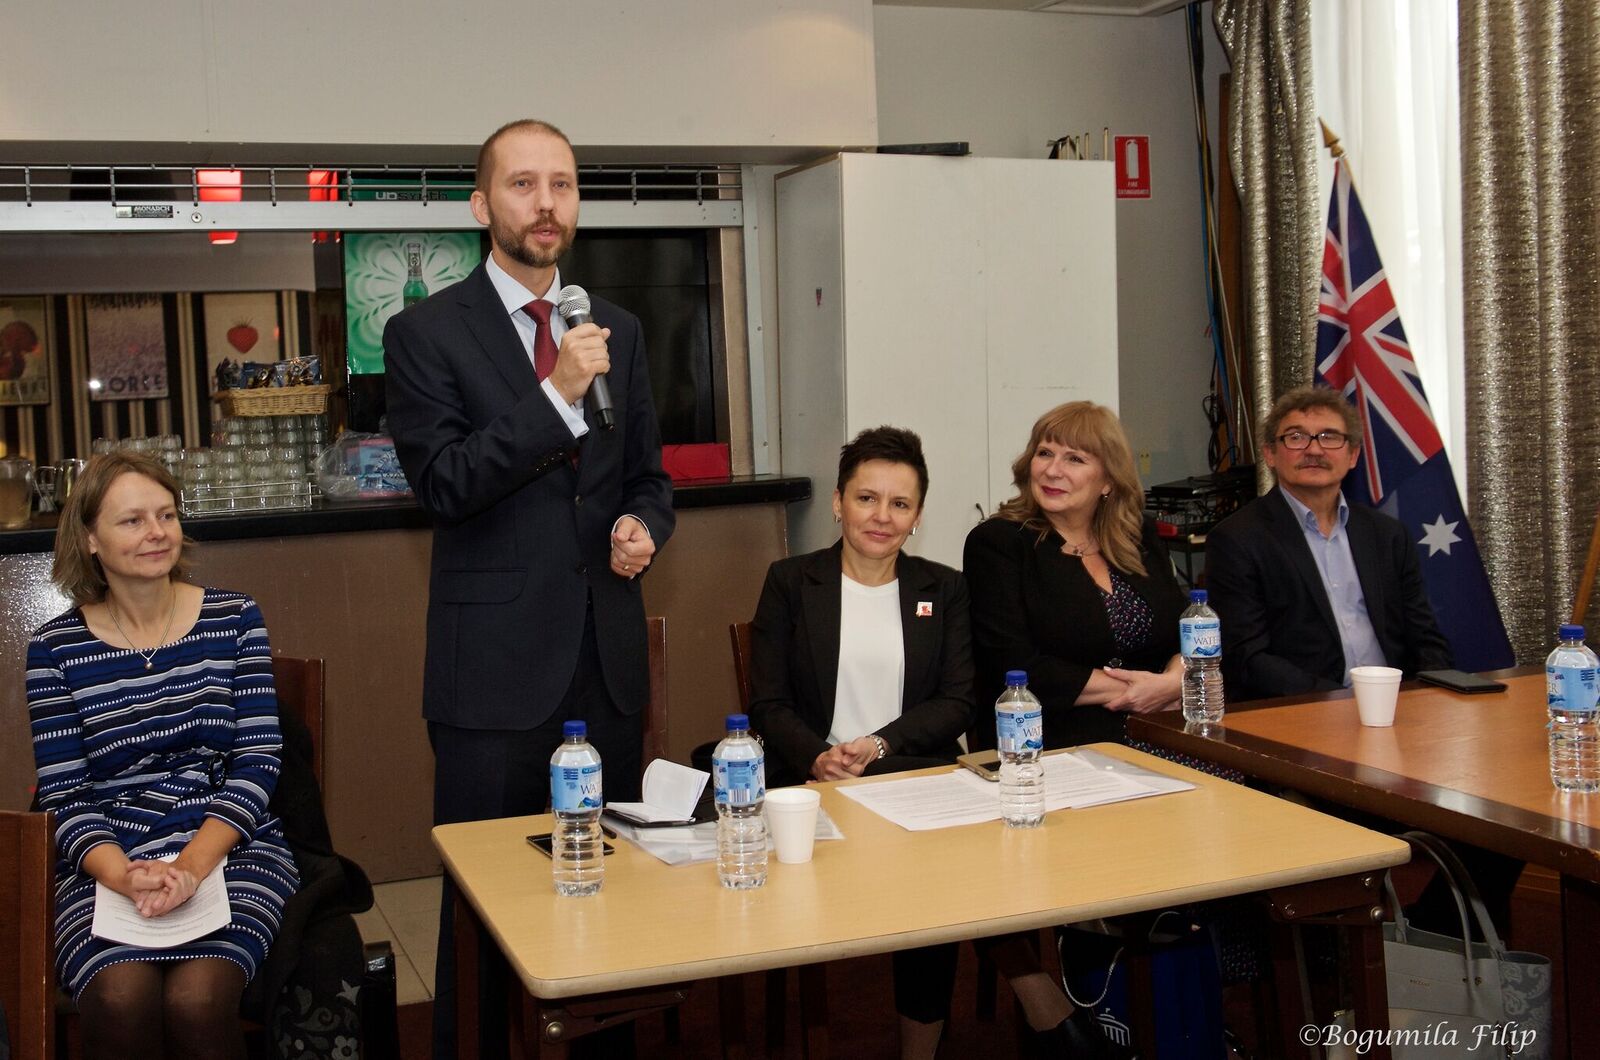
[(27, 932), (739, 634), (300, 684), (655, 712)]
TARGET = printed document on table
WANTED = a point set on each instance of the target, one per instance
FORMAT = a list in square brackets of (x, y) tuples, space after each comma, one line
[(691, 844), (117, 919), (1075, 780)]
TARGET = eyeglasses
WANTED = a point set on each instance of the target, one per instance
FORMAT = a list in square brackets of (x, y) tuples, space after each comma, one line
[(1301, 440)]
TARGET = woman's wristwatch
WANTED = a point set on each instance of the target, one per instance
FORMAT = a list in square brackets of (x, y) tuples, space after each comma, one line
[(881, 744)]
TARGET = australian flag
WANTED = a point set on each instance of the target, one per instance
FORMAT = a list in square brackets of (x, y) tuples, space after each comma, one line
[(1403, 470)]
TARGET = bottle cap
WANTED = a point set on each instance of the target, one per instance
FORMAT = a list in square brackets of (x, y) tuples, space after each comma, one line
[(1016, 677), (574, 728), (738, 722), (1197, 596), (1571, 632)]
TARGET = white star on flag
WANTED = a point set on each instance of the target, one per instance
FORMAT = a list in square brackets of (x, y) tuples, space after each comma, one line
[(1439, 536)]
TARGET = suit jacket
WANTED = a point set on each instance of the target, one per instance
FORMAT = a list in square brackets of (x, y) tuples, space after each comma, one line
[(794, 671), (1279, 637), (1035, 608), (521, 539)]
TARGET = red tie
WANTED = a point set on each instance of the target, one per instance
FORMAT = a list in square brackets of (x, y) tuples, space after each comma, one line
[(544, 343)]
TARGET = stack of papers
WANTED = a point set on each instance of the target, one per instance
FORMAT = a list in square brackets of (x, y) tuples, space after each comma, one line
[(117, 919), (1074, 781), (685, 846)]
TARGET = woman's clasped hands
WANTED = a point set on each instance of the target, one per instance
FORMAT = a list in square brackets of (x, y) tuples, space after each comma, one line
[(158, 887), (845, 760), (1145, 692)]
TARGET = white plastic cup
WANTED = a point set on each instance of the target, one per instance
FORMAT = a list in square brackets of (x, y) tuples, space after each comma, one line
[(792, 816), (1376, 688)]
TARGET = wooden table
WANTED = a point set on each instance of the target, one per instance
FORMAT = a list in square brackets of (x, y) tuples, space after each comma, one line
[(883, 888), (1469, 768)]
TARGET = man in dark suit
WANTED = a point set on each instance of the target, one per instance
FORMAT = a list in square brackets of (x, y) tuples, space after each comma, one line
[(1307, 585), (543, 521)]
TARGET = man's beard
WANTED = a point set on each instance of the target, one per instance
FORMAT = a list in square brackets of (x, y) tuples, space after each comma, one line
[(514, 244)]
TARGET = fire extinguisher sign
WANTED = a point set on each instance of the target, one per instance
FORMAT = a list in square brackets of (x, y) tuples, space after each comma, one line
[(1132, 154)]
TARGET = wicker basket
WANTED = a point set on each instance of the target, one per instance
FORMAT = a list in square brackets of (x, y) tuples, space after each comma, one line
[(274, 401)]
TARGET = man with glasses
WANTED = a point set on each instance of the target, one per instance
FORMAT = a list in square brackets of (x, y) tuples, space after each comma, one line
[(1306, 584)]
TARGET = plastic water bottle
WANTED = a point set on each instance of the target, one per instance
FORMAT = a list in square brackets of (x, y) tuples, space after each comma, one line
[(578, 866), (739, 771), (1200, 642), (1019, 728), (1572, 693)]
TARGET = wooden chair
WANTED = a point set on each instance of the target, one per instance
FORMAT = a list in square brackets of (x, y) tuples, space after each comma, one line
[(813, 977), (27, 932), (301, 685)]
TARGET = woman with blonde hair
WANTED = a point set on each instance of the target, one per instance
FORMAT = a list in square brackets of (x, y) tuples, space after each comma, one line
[(155, 733), (1070, 582)]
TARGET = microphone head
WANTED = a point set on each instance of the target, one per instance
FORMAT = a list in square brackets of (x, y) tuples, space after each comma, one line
[(572, 300)]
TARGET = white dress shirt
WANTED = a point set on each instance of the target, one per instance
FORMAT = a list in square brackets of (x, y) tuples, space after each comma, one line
[(514, 297), (872, 660)]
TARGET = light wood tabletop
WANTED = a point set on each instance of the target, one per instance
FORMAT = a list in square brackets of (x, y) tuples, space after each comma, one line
[(882, 888)]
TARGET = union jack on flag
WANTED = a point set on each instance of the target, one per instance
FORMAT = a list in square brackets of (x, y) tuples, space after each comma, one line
[(1403, 469)]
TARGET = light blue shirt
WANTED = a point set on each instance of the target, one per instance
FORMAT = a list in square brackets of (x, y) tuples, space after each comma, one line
[(1339, 579), (514, 297)]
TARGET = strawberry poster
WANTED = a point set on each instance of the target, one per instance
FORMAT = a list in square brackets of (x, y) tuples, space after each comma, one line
[(386, 271), (24, 354), (127, 337), (240, 327)]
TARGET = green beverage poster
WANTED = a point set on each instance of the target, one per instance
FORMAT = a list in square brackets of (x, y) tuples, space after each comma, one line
[(386, 271)]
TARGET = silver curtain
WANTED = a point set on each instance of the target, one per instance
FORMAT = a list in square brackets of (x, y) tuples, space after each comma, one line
[(1272, 143), (1530, 125)]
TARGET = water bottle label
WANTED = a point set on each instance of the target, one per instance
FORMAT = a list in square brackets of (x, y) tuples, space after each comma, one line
[(575, 787), (739, 782), (1200, 638), (1571, 688), (1020, 730)]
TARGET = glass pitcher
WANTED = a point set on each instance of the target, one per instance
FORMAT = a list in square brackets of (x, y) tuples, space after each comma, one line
[(16, 492)]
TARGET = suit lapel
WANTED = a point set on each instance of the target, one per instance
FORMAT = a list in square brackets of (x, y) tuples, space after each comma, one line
[(491, 325), (919, 635), (820, 597), (1292, 537), (1364, 551)]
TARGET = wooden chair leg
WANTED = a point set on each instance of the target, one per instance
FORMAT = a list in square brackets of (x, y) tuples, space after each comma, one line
[(988, 980), (777, 1009), (814, 1010)]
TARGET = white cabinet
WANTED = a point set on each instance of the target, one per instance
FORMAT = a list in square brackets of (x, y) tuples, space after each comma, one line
[(959, 297)]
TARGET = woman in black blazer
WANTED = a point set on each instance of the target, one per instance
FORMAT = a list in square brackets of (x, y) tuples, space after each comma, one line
[(861, 662), (1070, 583)]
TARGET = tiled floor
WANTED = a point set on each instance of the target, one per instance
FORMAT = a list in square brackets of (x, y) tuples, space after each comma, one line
[(406, 913)]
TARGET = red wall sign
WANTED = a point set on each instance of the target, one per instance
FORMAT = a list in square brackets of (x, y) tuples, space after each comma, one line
[(1133, 166)]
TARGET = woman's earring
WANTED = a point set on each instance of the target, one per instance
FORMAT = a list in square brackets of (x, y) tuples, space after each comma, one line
[(836, 517), (913, 531)]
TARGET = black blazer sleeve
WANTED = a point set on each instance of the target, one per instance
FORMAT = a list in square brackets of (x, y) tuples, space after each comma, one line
[(1237, 568), (1425, 646), (457, 467), (784, 714), (994, 561), (929, 726)]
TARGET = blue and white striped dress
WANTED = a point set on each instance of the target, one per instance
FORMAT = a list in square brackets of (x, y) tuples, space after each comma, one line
[(141, 758)]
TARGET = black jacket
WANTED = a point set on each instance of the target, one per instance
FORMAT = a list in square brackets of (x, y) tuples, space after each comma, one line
[(521, 540), (1035, 608), (794, 643), (1278, 632)]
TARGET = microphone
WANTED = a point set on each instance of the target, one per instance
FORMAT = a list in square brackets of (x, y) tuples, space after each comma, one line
[(572, 302)]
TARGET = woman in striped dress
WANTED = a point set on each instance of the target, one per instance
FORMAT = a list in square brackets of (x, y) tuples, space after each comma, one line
[(155, 733)]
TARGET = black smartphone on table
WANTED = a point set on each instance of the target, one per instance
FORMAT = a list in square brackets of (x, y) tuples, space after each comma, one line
[(1460, 681), (542, 843)]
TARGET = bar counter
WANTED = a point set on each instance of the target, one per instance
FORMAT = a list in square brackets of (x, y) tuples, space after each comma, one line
[(337, 517), (349, 583)]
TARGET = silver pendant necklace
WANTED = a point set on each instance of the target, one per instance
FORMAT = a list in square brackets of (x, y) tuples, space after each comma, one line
[(149, 657)]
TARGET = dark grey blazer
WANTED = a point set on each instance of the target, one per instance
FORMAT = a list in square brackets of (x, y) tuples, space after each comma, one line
[(521, 539), (794, 646), (1279, 637)]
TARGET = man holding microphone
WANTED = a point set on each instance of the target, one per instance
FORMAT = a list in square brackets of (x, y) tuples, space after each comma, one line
[(544, 517)]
